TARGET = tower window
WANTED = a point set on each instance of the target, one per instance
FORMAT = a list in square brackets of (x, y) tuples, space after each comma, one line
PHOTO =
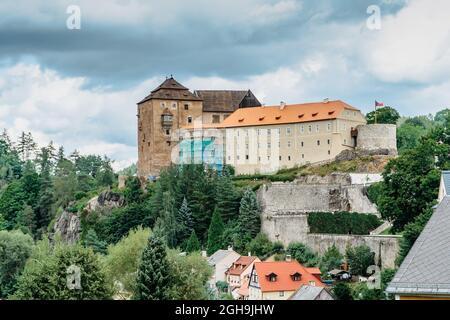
[(318, 142), (186, 107), (167, 131), (189, 119), (216, 118)]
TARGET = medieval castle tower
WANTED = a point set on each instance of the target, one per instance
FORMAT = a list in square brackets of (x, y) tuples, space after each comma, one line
[(172, 106)]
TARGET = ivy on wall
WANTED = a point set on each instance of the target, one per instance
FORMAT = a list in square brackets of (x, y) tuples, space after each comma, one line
[(342, 223)]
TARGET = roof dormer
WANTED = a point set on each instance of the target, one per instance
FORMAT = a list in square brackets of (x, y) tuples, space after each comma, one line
[(272, 277)]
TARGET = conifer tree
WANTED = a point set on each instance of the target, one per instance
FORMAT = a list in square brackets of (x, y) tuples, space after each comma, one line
[(91, 240), (153, 282), (227, 198), (249, 220), (166, 224), (185, 221), (193, 244), (215, 232)]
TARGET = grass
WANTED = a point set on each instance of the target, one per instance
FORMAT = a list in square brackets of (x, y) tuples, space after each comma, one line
[(364, 164)]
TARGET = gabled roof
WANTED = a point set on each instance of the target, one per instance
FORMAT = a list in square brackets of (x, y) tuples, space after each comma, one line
[(425, 269), (223, 100), (307, 292), (240, 265), (219, 255), (314, 271), (284, 271), (298, 113), (171, 89)]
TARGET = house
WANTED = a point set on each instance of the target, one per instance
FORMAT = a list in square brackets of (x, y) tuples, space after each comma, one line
[(308, 292), (424, 274), (279, 280), (265, 139), (340, 275), (172, 106), (221, 261), (444, 188), (238, 273)]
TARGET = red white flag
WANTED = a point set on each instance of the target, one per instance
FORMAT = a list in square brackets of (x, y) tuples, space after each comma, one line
[(378, 104)]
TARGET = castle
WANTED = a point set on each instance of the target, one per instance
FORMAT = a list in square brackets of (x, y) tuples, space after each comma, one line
[(176, 125), (170, 107)]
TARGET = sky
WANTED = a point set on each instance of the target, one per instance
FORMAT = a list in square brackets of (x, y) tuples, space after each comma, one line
[(79, 87)]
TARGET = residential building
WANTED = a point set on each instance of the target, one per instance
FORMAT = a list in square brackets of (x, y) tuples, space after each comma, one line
[(424, 275), (238, 273), (266, 139), (279, 280), (444, 188), (172, 106), (221, 261), (308, 292)]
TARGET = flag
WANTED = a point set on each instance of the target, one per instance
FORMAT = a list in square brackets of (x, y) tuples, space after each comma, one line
[(378, 104)]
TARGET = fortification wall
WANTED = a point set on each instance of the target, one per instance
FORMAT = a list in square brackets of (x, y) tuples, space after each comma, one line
[(377, 137)]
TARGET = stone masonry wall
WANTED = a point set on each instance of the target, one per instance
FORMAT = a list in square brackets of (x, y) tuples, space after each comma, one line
[(377, 137)]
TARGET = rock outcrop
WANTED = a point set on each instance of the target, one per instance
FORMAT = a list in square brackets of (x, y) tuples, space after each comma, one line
[(105, 200)]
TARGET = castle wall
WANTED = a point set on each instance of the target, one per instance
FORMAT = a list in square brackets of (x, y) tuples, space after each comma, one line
[(377, 136)]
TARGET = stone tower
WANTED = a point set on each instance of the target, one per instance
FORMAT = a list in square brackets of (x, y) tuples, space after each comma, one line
[(168, 108)]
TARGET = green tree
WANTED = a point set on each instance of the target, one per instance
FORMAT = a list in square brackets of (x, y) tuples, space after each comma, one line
[(408, 137), (25, 220), (342, 291), (386, 115), (215, 232), (46, 273), (12, 201), (303, 254), (331, 259), (15, 249), (193, 244), (92, 241), (123, 260), (166, 224), (227, 199), (185, 222), (360, 258), (190, 275), (153, 277), (249, 214), (261, 246), (133, 191)]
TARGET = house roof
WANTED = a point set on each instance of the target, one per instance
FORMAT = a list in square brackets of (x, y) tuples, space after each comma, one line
[(284, 270), (171, 89), (298, 113), (307, 292), (240, 265), (314, 271), (446, 180), (425, 268), (219, 255), (243, 291), (222, 100)]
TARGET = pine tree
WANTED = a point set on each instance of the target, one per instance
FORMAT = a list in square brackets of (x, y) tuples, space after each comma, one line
[(6, 139), (249, 214), (215, 232), (25, 220), (227, 198), (153, 282), (91, 240), (166, 224), (185, 221), (193, 244)]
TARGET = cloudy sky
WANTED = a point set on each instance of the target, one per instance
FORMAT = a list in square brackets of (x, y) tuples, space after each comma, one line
[(79, 88)]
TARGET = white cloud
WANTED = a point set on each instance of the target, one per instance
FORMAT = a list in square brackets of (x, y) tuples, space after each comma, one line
[(413, 45)]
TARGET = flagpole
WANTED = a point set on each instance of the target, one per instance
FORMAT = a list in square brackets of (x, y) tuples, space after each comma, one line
[(375, 112)]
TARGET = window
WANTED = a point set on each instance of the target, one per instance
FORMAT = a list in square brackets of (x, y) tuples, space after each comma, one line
[(186, 107), (269, 145), (329, 152), (329, 126), (302, 128), (216, 118), (288, 131), (189, 119), (303, 156), (312, 283), (317, 128), (167, 131), (289, 144), (163, 105), (281, 293), (303, 144), (237, 157), (318, 142), (329, 141), (310, 128), (345, 141), (168, 143), (280, 158), (269, 132), (289, 158), (174, 105), (246, 157)]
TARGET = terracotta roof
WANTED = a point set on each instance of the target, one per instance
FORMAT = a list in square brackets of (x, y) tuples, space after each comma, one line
[(298, 113), (244, 290), (240, 265), (314, 271), (284, 271), (224, 100), (172, 90)]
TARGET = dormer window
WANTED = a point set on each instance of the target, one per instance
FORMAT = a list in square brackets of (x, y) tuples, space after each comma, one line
[(296, 276), (272, 277), (315, 114)]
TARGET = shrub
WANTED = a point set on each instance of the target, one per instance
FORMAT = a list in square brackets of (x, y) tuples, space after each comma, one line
[(342, 223)]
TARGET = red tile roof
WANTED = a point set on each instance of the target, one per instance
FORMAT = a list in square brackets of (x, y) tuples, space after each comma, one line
[(240, 265), (298, 113), (314, 271), (284, 280)]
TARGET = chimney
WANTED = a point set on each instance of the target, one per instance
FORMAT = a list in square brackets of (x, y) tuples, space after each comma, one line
[(282, 105), (326, 100), (288, 258), (249, 254), (230, 248)]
